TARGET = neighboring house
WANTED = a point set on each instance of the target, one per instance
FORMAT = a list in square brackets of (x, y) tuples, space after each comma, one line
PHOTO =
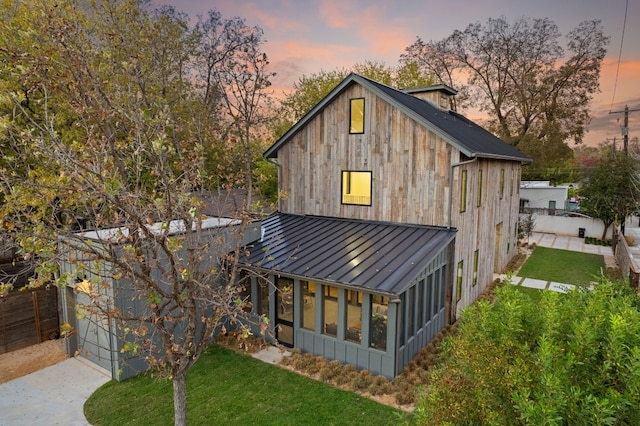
[(364, 249), (542, 195)]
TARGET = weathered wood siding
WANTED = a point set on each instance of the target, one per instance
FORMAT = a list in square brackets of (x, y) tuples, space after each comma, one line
[(489, 228), (411, 174)]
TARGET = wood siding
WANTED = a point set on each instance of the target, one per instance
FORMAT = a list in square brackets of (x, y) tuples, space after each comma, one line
[(411, 177)]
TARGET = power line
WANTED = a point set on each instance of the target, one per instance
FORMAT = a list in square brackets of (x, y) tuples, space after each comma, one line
[(615, 84)]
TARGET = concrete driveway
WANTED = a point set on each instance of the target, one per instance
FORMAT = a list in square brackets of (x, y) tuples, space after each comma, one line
[(52, 396)]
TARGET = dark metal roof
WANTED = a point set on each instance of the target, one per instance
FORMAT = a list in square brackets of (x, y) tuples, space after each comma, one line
[(457, 130), (376, 256)]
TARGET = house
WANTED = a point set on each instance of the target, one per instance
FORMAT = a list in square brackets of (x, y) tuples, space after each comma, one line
[(542, 195), (398, 212)]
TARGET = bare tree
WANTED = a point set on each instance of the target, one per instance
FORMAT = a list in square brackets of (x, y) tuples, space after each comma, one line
[(520, 75)]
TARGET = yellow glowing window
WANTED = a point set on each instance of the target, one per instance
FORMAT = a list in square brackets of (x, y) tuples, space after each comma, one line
[(356, 188), (356, 116)]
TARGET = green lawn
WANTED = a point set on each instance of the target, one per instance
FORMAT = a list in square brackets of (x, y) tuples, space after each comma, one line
[(563, 266), (228, 388)]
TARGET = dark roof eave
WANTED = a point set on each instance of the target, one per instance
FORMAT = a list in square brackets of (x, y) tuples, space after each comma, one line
[(502, 157)]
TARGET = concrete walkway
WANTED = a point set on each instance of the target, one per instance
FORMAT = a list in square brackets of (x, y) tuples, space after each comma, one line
[(52, 396)]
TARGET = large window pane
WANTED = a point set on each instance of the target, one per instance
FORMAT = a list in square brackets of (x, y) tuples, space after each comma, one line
[(309, 301), (354, 316), (330, 312), (356, 116), (379, 308), (356, 188)]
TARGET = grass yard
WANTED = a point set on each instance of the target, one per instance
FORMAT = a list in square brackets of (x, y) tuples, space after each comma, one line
[(563, 266), (228, 388)]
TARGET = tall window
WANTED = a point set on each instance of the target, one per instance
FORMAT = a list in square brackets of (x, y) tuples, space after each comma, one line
[(501, 184), (356, 188), (513, 180), (309, 303), (354, 316), (479, 201), (378, 329), (356, 116), (263, 296), (330, 311), (475, 267), (463, 191), (459, 281)]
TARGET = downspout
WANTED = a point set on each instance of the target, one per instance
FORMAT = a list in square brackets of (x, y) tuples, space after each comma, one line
[(462, 163)]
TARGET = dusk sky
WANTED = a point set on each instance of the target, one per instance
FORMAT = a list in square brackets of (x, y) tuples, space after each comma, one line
[(306, 37)]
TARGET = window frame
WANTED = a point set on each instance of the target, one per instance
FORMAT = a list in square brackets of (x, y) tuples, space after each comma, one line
[(501, 184), (479, 200), (343, 192), (463, 191), (352, 128), (460, 271)]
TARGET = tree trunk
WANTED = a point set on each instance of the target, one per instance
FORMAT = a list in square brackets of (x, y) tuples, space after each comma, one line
[(180, 397)]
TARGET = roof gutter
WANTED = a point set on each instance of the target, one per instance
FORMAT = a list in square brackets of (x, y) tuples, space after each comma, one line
[(454, 165)]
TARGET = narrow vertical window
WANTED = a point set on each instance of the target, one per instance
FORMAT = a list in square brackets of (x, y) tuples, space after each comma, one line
[(354, 316), (459, 281), (513, 180), (463, 191), (356, 188), (309, 303), (330, 312), (263, 297), (378, 328), (479, 201), (501, 184), (356, 116), (475, 267)]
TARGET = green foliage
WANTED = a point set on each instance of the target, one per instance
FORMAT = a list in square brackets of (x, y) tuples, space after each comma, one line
[(266, 174), (568, 359), (612, 190)]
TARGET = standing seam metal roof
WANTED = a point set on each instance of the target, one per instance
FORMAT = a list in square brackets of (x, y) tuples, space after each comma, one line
[(376, 256)]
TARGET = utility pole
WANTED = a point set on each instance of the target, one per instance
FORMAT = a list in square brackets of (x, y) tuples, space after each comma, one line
[(625, 127)]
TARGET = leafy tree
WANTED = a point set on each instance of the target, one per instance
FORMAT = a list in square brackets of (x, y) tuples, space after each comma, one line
[(98, 130), (611, 191), (533, 90), (567, 359)]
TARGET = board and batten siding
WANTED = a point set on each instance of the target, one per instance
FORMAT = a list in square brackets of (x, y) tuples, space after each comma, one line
[(411, 168)]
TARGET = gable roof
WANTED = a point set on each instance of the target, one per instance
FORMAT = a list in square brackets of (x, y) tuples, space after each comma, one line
[(374, 256), (457, 130)]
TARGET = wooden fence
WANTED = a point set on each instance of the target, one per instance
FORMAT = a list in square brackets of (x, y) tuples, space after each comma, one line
[(627, 264), (27, 317)]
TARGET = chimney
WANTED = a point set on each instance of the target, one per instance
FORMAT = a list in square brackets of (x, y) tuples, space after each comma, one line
[(439, 95)]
